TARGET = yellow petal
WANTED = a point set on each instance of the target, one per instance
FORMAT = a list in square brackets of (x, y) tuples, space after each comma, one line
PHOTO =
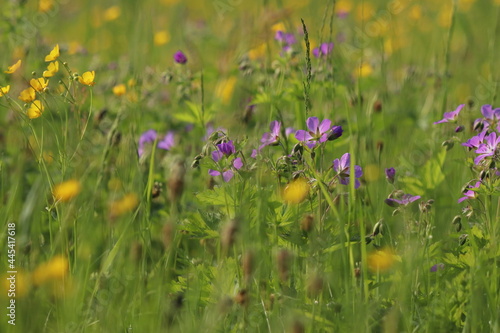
[(54, 54), (124, 205), (67, 190), (35, 110), (28, 95), (296, 191), (119, 90), (161, 37), (112, 13), (39, 84), (4, 90), (52, 69), (55, 269), (87, 78), (13, 68)]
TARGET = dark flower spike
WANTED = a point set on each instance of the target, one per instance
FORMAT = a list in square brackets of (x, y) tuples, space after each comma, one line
[(451, 117)]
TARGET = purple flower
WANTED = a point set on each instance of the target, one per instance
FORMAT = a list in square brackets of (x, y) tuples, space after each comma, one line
[(317, 132), (273, 137), (322, 50), (451, 117), (289, 130), (343, 169), (468, 193), (475, 141), (405, 200), (167, 142), (288, 39), (487, 149), (180, 57), (146, 137), (254, 154), (228, 173), (437, 267), (225, 148), (390, 174), (335, 133)]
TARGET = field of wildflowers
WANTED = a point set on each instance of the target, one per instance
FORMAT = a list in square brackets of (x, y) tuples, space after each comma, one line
[(237, 166)]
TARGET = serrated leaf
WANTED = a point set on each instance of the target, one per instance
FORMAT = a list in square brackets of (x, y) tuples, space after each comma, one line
[(433, 171), (413, 185)]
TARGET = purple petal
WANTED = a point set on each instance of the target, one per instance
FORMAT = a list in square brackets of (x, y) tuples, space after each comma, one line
[(316, 52), (487, 111), (227, 175), (325, 126), (357, 184), (237, 163), (213, 172), (312, 124), (289, 130), (311, 144), (345, 160), (148, 136), (254, 153), (217, 155), (302, 135), (275, 127), (358, 172), (168, 141), (336, 165)]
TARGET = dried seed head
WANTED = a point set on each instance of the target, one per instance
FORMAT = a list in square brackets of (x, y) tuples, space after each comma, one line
[(297, 327), (315, 285), (248, 265), (228, 234), (176, 181), (462, 239), (377, 228), (380, 146), (242, 297), (307, 223), (377, 106), (457, 222), (357, 272), (168, 233), (283, 262), (156, 191)]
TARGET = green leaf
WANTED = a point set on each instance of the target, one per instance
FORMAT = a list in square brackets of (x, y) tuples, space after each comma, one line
[(433, 171)]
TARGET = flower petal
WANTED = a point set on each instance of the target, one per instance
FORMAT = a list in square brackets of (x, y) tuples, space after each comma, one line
[(213, 172), (312, 124), (227, 175), (237, 163)]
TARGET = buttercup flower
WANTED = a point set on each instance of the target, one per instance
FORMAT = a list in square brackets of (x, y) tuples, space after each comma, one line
[(87, 78), (39, 84), (13, 68), (180, 57), (4, 90), (52, 69), (124, 205), (54, 54), (469, 193), (28, 95), (381, 260), (56, 268), (67, 190), (451, 117), (119, 90), (296, 191), (35, 110), (343, 169)]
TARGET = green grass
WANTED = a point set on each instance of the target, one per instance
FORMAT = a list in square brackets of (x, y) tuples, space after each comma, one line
[(155, 244)]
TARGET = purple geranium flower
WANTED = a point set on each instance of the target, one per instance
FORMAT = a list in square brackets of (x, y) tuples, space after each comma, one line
[(451, 117), (273, 137), (405, 200), (146, 137), (322, 50), (317, 132), (228, 173), (390, 174), (343, 169), (437, 267), (475, 141), (167, 142), (468, 193), (487, 149), (491, 117), (180, 57), (225, 148), (286, 38)]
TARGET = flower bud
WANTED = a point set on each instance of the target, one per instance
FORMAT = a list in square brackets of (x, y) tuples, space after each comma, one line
[(377, 228), (307, 223), (459, 129), (390, 174), (448, 144), (283, 263), (335, 133)]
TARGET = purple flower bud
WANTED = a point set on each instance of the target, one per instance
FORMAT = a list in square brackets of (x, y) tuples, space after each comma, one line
[(336, 133), (459, 129), (180, 57), (437, 267), (390, 173)]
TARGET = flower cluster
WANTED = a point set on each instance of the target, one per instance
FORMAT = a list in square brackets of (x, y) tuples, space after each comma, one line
[(151, 135), (227, 150)]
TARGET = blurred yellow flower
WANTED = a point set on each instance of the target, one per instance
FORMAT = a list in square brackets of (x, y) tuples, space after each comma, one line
[(124, 205), (45, 5), (28, 95), (52, 69), (87, 78), (224, 89), (416, 12), (381, 260), (67, 190), (112, 13), (20, 286), (364, 11), (39, 84), (371, 172), (35, 110), (257, 52), (54, 54), (296, 191), (343, 7), (56, 269), (364, 70), (13, 68), (131, 83), (4, 90), (161, 37), (278, 27), (119, 90)]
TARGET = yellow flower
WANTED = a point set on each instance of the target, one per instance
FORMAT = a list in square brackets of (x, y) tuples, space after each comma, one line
[(67, 190), (364, 70), (112, 13), (39, 84), (13, 68), (381, 260), (52, 69), (35, 110), (225, 88), (296, 191), (119, 90), (161, 37), (278, 27), (257, 52), (45, 5), (124, 205), (56, 269), (28, 95), (4, 90), (87, 78), (54, 54)]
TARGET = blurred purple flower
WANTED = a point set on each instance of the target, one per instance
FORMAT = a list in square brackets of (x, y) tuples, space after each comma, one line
[(286, 38), (437, 267), (468, 193), (323, 50), (146, 137), (167, 142), (390, 174), (487, 149), (273, 137), (342, 167), (180, 57), (405, 200), (227, 174), (451, 117)]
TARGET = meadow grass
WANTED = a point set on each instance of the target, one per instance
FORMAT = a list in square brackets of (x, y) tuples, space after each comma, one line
[(142, 195)]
